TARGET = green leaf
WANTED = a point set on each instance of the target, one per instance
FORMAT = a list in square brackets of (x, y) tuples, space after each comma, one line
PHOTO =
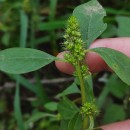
[(6, 38), (113, 11), (103, 95), (38, 90), (117, 61), (123, 26), (52, 106), (52, 25), (53, 5), (76, 122), (90, 17), (114, 86), (69, 90), (46, 39), (23, 28), (111, 31), (17, 109), (37, 116), (117, 87), (114, 113), (64, 124), (23, 60), (67, 109), (89, 88)]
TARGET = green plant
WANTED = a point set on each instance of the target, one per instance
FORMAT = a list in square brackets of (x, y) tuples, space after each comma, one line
[(82, 30)]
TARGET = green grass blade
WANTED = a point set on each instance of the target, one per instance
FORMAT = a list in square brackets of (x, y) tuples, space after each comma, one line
[(38, 90), (101, 99), (53, 4), (17, 109), (23, 28), (52, 25)]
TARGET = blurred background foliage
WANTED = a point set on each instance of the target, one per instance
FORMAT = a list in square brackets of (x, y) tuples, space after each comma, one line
[(40, 24)]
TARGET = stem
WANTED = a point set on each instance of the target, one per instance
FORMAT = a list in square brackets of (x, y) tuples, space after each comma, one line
[(83, 94), (85, 123), (82, 86), (91, 123)]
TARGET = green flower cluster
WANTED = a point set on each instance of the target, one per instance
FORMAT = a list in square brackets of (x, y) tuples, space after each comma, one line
[(89, 109), (73, 44)]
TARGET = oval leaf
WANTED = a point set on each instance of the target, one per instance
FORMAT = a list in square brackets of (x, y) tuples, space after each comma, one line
[(117, 61), (52, 106), (117, 110), (73, 88), (67, 109), (23, 60), (76, 122), (90, 17)]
